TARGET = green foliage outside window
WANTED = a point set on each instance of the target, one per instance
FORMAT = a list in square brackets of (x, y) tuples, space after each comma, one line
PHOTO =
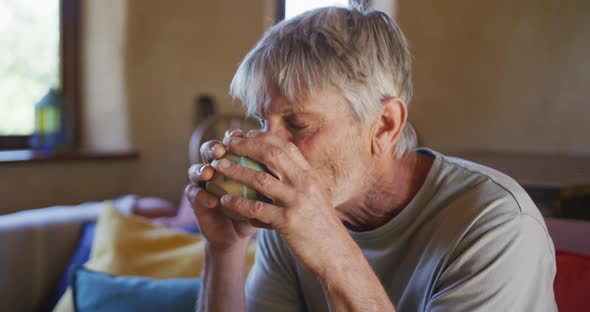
[(29, 60)]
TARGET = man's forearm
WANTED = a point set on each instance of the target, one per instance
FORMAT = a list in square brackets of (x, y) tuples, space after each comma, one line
[(222, 280), (350, 284)]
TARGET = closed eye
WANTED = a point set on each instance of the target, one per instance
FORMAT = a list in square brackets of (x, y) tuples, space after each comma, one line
[(296, 123), (295, 126)]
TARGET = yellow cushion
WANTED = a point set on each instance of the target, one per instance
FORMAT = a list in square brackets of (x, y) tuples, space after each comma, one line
[(134, 246)]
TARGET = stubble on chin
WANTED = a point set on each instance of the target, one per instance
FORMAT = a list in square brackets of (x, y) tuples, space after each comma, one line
[(342, 173)]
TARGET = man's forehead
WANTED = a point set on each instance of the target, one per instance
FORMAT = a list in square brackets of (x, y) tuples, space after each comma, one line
[(316, 102), (278, 104)]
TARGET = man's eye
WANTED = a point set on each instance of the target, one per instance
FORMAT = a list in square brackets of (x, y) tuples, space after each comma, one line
[(296, 126)]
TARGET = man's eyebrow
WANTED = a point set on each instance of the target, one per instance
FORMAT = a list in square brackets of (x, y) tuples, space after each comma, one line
[(294, 109), (284, 111), (287, 110)]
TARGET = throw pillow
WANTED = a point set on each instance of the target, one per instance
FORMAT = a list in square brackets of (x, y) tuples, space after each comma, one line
[(98, 292), (128, 245)]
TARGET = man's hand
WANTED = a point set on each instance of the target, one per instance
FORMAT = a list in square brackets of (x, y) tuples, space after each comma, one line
[(224, 269), (303, 215), (221, 232), (301, 211)]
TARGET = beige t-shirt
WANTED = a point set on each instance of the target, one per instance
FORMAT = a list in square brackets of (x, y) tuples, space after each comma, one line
[(470, 240)]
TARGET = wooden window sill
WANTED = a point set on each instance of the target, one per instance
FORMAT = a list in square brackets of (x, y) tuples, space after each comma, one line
[(32, 156)]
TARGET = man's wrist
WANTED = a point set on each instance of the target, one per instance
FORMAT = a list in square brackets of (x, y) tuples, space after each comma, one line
[(226, 258), (235, 249), (223, 277), (345, 253), (340, 265), (349, 283)]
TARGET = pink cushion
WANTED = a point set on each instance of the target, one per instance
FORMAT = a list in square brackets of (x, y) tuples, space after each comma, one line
[(572, 281)]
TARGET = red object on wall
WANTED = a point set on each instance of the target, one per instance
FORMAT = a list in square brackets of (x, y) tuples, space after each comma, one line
[(572, 282)]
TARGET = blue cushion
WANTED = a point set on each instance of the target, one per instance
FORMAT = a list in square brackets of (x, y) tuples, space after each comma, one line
[(81, 256), (95, 291)]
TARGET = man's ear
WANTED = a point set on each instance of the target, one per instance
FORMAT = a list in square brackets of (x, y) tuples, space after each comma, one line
[(388, 125)]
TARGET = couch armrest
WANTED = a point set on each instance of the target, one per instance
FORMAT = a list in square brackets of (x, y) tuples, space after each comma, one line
[(36, 246)]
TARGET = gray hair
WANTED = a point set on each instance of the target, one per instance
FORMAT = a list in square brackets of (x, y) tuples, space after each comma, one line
[(361, 54)]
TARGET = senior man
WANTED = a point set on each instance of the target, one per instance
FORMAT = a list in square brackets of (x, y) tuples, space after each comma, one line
[(360, 220)]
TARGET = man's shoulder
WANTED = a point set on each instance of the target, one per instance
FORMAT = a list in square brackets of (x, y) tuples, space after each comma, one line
[(489, 234), (493, 178), (470, 197), (486, 186)]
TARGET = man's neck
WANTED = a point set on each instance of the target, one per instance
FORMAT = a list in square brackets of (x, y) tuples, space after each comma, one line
[(393, 185)]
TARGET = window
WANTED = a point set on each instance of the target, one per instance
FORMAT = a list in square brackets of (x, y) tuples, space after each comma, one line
[(290, 8), (38, 52)]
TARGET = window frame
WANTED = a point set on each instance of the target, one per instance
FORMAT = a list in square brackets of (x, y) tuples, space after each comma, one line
[(70, 22), (280, 13)]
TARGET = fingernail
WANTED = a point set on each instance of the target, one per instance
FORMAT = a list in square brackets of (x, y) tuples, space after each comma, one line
[(223, 163), (224, 199), (234, 140), (200, 169), (214, 147)]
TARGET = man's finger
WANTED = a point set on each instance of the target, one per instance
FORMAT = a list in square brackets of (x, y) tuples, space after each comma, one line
[(200, 173), (261, 181), (199, 198), (211, 150), (256, 210), (289, 147), (258, 224), (278, 161), (233, 132)]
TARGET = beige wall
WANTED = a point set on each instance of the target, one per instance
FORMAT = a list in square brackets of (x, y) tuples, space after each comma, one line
[(501, 75), (175, 52), (144, 61), (105, 115)]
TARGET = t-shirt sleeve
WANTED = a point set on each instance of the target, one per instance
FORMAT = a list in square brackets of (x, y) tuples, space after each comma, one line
[(508, 267), (272, 283)]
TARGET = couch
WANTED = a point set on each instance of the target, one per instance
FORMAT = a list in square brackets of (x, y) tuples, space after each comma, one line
[(36, 245)]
